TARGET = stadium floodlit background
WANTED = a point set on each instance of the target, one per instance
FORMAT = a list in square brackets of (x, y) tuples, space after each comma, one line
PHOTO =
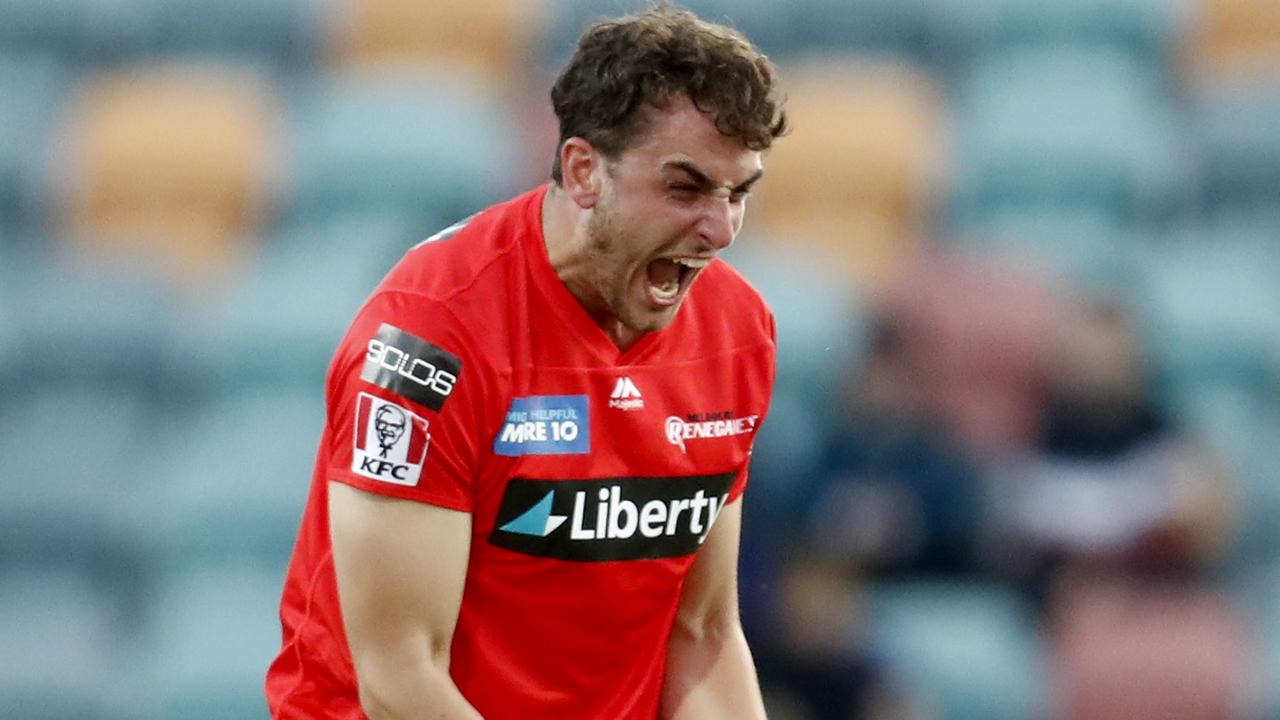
[(1025, 256)]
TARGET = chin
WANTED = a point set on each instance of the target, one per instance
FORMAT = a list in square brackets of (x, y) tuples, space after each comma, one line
[(654, 320)]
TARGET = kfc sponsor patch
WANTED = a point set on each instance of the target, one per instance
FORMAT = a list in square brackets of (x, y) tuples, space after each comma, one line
[(390, 442), (410, 367)]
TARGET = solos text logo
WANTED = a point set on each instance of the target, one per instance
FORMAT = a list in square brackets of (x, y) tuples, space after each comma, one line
[(610, 519), (710, 425), (390, 442), (625, 395), (411, 367)]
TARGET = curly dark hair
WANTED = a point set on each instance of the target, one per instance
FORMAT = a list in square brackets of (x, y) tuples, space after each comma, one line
[(624, 64)]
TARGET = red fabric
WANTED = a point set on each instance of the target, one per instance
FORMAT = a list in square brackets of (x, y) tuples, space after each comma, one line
[(537, 637)]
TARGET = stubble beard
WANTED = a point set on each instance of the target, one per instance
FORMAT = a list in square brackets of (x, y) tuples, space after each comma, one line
[(604, 238)]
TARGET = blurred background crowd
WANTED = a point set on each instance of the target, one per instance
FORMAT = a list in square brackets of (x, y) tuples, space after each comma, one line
[(1025, 257)]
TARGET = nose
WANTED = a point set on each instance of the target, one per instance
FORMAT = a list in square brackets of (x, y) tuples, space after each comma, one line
[(719, 223)]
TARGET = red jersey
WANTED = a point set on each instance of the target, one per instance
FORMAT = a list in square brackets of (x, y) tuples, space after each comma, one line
[(472, 379)]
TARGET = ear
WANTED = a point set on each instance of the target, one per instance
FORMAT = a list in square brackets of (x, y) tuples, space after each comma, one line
[(582, 172)]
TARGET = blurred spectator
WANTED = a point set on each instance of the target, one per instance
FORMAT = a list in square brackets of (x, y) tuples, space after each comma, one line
[(1112, 480)]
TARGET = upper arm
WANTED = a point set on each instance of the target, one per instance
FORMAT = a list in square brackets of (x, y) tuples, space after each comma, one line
[(400, 568), (709, 600)]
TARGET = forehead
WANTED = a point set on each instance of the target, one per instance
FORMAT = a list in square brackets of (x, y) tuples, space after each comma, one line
[(680, 132)]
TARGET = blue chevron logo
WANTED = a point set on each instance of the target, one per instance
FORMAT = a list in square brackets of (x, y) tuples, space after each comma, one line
[(537, 520)]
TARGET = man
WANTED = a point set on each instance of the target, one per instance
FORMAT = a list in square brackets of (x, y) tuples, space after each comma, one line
[(553, 531)]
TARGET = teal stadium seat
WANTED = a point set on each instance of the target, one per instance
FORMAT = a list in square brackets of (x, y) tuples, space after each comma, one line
[(1238, 138), (33, 25), (821, 322), (10, 349), (93, 324), (913, 30), (1211, 299), (1211, 306), (419, 144), (968, 651), (1076, 150), (62, 651), (231, 480), (1146, 32), (821, 332), (32, 85), (283, 34), (280, 34), (213, 631), (280, 322), (74, 462)]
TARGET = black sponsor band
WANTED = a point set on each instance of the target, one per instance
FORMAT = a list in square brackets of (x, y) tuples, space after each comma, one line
[(610, 518), (410, 367)]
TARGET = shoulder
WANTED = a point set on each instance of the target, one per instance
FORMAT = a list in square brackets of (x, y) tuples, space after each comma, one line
[(725, 302), (473, 256), (436, 304)]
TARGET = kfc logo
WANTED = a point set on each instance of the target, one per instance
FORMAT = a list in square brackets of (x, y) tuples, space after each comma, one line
[(390, 442)]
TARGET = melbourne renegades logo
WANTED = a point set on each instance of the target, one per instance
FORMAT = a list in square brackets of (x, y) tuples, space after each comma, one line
[(390, 441)]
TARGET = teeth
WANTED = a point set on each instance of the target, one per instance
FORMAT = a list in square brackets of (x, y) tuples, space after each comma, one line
[(694, 263), (667, 291)]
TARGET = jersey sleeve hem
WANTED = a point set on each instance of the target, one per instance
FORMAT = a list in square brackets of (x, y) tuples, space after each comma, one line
[(414, 494)]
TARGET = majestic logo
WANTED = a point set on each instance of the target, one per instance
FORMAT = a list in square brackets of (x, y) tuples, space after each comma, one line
[(390, 442), (545, 425), (610, 519), (410, 366), (625, 395), (711, 425)]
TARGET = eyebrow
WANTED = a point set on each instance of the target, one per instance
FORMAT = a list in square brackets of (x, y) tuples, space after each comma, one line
[(704, 180)]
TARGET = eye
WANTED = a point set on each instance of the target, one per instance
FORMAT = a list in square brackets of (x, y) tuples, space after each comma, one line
[(683, 191), (738, 196)]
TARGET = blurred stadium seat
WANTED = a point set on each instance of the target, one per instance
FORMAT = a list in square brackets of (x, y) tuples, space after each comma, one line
[(1235, 40), (73, 461), (33, 85), (855, 185), (1238, 139), (420, 144), (172, 163), (1212, 309), (232, 478), (61, 650), (822, 326), (969, 651), (89, 323), (1084, 131), (283, 34), (213, 631), (489, 40), (33, 25), (279, 323), (1146, 32), (1168, 652)]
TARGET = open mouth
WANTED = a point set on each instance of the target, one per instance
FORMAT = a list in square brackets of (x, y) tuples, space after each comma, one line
[(670, 277)]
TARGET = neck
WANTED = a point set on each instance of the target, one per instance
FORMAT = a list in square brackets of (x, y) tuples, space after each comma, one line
[(564, 230)]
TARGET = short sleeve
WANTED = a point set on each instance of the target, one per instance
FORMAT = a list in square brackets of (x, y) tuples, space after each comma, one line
[(404, 403)]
